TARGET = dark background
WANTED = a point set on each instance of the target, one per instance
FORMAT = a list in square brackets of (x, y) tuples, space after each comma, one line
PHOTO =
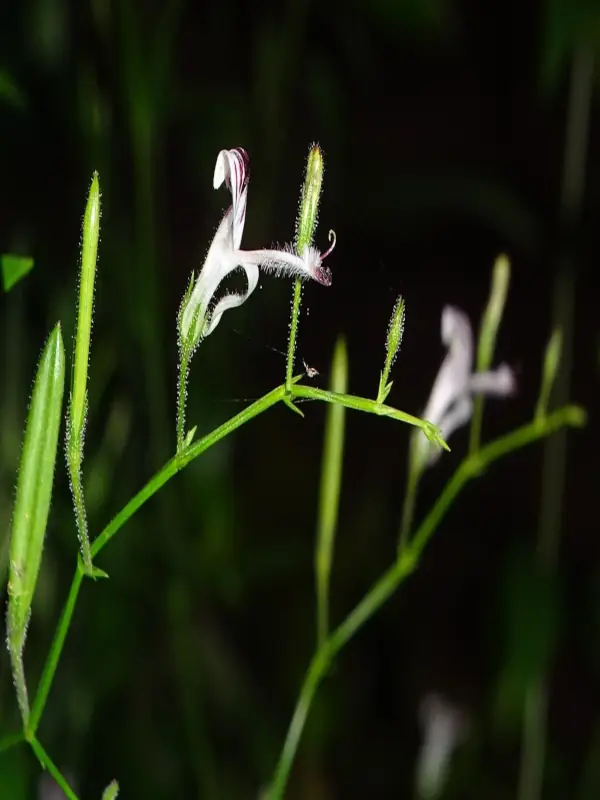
[(444, 131)]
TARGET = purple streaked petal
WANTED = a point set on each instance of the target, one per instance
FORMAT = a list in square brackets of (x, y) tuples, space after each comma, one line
[(286, 262), (233, 167)]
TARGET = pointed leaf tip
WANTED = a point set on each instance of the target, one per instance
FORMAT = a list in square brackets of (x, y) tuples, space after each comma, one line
[(290, 404), (14, 269)]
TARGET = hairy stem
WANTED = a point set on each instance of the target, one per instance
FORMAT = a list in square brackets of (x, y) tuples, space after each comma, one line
[(184, 364), (293, 334)]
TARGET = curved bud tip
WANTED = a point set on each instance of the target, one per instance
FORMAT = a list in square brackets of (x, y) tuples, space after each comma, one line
[(329, 251), (323, 274)]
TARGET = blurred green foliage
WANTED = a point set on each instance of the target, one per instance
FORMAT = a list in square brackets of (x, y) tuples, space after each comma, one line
[(180, 673), (14, 269)]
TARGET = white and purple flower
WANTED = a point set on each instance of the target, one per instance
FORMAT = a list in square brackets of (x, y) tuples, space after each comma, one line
[(450, 403), (198, 317)]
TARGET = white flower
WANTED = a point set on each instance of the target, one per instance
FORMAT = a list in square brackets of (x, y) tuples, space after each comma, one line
[(224, 256), (450, 404), (444, 726)]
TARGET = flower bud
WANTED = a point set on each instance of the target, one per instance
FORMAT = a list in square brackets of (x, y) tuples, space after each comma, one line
[(392, 345), (309, 201)]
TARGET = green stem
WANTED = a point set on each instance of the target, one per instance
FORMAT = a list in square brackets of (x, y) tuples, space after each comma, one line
[(170, 469), (74, 458), (362, 404), (184, 364), (48, 764), (373, 600), (475, 463), (379, 594), (330, 490), (180, 461), (316, 671), (569, 415), (293, 334), (322, 609), (54, 655), (385, 587)]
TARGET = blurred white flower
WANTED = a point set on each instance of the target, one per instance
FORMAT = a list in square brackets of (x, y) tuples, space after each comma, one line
[(224, 256), (444, 726), (450, 403)]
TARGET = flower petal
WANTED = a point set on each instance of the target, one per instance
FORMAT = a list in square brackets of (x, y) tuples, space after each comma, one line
[(232, 300), (455, 417), (233, 167), (457, 335), (499, 382), (216, 266), (452, 380), (286, 262)]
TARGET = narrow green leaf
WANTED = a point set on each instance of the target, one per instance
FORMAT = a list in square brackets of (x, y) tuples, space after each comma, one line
[(331, 478), (488, 333), (96, 572), (492, 317), (89, 250), (78, 402), (14, 269), (292, 406), (549, 372), (34, 492)]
